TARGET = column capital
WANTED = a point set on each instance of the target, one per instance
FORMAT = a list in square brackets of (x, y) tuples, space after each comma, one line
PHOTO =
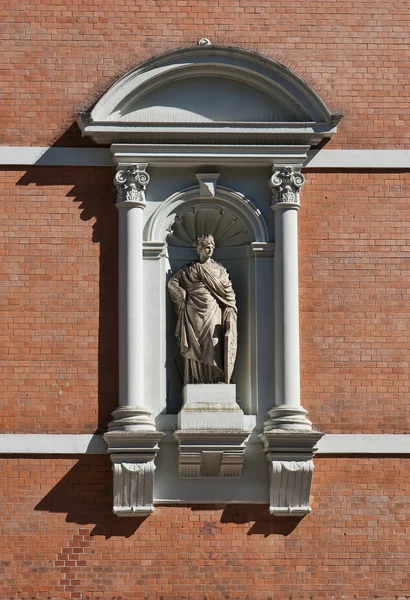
[(131, 184), (285, 184)]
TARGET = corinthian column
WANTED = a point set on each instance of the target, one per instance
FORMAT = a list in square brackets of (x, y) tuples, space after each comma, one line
[(287, 413), (131, 415), (132, 437), (288, 436)]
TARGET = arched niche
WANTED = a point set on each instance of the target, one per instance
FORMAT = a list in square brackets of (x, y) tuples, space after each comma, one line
[(203, 109), (241, 237), (209, 109)]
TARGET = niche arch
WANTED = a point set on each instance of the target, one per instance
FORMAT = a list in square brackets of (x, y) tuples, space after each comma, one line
[(238, 227), (158, 226)]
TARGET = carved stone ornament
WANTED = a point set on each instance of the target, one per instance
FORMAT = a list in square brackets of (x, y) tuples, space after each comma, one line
[(207, 184), (211, 453), (290, 455), (133, 487), (132, 455), (131, 184), (285, 185), (204, 42)]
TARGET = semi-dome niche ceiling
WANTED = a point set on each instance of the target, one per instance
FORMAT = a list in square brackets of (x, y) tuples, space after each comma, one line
[(226, 228)]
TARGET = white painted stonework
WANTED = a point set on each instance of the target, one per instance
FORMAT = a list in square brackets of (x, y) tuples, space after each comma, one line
[(133, 487), (211, 432), (210, 406), (347, 158), (210, 91), (233, 121), (131, 438), (342, 444), (290, 454)]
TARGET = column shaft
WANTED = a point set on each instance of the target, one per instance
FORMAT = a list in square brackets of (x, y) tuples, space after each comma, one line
[(130, 306), (287, 376)]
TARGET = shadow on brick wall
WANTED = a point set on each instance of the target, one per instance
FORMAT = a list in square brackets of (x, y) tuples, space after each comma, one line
[(85, 495), (263, 523), (93, 192), (255, 515)]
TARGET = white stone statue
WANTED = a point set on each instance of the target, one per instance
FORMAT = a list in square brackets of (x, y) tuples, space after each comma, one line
[(207, 317)]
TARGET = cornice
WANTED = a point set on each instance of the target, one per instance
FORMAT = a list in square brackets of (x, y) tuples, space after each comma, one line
[(344, 159)]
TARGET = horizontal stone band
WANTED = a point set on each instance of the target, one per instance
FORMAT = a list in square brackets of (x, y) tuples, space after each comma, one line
[(102, 157), (347, 444)]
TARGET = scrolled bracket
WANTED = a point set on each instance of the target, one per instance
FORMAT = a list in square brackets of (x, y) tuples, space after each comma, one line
[(290, 456), (132, 455)]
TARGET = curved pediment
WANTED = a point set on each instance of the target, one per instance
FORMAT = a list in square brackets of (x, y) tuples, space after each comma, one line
[(204, 100), (207, 98), (211, 92)]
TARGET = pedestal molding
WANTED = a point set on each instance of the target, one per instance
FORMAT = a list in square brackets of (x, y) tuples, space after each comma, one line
[(211, 432), (211, 453)]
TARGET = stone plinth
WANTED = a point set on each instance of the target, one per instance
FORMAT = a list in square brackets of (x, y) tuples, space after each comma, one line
[(210, 407), (211, 432)]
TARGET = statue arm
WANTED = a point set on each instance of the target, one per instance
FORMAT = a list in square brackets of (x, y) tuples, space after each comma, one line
[(177, 292)]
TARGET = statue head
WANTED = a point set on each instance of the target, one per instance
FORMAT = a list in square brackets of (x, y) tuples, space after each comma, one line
[(205, 247), (203, 241)]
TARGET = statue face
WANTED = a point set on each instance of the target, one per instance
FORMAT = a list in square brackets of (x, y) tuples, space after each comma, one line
[(206, 251)]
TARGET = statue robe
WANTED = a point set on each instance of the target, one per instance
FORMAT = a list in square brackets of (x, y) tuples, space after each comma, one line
[(205, 303)]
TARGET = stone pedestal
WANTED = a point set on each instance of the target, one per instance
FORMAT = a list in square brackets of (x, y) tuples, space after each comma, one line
[(211, 432), (210, 406)]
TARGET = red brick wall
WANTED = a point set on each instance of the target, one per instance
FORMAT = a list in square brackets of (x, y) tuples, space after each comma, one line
[(58, 266), (58, 56), (60, 540), (59, 322), (355, 310), (59, 257)]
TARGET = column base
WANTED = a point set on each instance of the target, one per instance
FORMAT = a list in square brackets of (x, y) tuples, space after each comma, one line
[(290, 455), (132, 418), (288, 417)]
